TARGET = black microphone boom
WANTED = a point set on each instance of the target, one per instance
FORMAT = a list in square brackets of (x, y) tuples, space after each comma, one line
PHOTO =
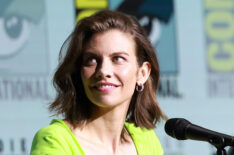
[(182, 129)]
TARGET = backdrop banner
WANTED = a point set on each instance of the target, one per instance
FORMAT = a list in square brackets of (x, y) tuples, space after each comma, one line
[(194, 42)]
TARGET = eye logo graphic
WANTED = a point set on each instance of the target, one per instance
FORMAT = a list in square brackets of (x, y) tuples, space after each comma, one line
[(23, 34), (156, 16), (14, 32)]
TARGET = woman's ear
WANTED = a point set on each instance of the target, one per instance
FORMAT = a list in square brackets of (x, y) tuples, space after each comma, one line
[(143, 73)]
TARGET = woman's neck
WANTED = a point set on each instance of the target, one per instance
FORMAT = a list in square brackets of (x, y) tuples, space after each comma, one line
[(106, 126)]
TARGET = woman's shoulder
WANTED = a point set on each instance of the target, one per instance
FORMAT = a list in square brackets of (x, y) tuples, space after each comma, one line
[(56, 130), (55, 138), (55, 126), (145, 139), (139, 131)]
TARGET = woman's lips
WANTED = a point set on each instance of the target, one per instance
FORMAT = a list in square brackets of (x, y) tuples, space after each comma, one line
[(105, 87)]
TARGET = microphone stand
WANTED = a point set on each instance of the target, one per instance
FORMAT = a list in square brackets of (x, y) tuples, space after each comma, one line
[(221, 151), (219, 143)]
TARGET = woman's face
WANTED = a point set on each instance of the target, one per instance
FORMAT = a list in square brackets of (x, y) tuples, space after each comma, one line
[(109, 68)]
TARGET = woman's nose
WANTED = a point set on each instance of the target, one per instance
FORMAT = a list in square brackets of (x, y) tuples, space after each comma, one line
[(104, 69)]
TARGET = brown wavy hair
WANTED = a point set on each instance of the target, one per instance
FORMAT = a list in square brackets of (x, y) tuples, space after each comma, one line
[(71, 100)]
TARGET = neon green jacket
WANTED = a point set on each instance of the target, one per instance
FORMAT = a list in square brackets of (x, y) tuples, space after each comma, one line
[(57, 139)]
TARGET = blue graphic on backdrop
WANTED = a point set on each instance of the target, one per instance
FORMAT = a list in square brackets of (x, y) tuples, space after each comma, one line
[(156, 16)]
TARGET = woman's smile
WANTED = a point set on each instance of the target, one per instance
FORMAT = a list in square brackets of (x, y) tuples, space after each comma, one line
[(105, 87)]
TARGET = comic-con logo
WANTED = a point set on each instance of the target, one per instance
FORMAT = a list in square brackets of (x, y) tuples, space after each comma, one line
[(14, 27), (16, 22), (14, 32), (219, 35), (24, 63), (23, 37)]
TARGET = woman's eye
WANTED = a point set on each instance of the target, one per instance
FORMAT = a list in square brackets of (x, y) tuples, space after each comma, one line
[(118, 59), (90, 61)]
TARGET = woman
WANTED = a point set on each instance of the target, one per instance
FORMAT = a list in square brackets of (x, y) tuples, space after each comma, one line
[(106, 90)]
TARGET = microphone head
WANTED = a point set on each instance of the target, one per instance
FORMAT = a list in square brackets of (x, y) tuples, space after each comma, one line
[(176, 128)]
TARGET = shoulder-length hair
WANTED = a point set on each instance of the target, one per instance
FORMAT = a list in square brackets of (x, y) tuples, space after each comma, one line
[(71, 100)]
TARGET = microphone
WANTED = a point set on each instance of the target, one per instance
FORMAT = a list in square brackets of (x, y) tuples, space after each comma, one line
[(182, 129)]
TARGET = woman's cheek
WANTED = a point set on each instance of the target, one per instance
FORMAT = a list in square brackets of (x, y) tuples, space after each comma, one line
[(86, 72), (127, 72)]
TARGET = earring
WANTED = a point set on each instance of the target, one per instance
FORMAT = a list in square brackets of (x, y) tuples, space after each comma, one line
[(140, 87)]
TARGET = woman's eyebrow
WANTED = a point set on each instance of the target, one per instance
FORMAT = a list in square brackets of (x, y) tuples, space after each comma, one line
[(120, 53), (90, 53)]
